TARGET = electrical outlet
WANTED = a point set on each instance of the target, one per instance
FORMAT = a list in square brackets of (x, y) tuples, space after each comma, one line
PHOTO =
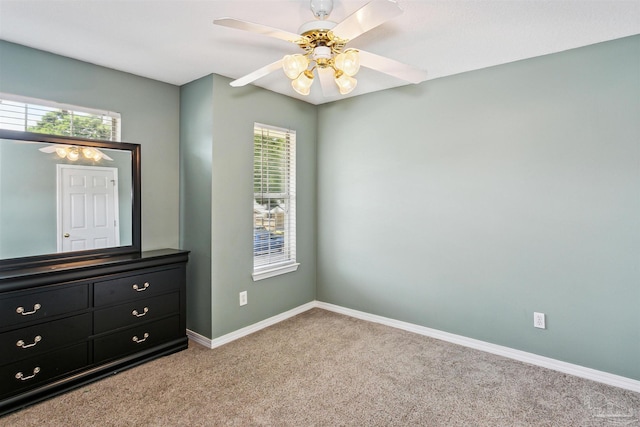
[(538, 320), (243, 298)]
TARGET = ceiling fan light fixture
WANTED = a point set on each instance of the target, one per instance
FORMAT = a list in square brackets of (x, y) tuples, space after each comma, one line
[(324, 45), (345, 82), (348, 62), (303, 83), (294, 65)]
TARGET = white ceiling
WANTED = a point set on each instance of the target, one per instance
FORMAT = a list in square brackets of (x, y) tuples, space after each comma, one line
[(174, 41)]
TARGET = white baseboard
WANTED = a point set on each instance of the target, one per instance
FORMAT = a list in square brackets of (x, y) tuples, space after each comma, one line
[(200, 339), (232, 336), (522, 356)]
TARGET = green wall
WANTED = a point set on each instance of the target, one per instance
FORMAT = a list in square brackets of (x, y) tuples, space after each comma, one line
[(230, 203), (150, 117), (196, 136), (467, 203), (29, 224)]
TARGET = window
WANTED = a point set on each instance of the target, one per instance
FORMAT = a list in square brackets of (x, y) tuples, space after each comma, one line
[(41, 116), (274, 201)]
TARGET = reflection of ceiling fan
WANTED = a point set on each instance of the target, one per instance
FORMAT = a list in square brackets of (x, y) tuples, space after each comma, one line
[(73, 153), (324, 45)]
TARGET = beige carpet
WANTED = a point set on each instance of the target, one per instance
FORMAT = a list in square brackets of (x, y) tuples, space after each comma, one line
[(325, 369)]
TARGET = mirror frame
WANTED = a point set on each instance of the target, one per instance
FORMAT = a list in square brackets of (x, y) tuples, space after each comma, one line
[(67, 257)]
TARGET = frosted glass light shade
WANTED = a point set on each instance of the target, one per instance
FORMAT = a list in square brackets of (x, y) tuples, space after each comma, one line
[(345, 83), (88, 152), (348, 61), (91, 153), (74, 154), (294, 65), (61, 152), (303, 83)]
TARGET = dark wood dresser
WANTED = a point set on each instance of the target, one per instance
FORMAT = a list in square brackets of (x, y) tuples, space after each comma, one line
[(65, 325)]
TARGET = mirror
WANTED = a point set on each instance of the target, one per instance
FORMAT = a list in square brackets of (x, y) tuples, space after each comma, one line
[(67, 199)]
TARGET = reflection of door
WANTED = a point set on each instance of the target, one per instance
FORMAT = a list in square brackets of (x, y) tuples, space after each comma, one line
[(87, 208)]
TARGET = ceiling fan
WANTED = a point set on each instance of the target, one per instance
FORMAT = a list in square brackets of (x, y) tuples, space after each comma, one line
[(325, 49)]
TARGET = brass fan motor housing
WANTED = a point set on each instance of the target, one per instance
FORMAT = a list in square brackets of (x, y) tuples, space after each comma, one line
[(314, 38)]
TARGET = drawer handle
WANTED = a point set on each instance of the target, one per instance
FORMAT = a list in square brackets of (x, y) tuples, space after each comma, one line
[(138, 340), (20, 376), (36, 340), (20, 310), (135, 312), (143, 288)]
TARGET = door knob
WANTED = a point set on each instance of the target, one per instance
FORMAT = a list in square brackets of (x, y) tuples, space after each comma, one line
[(66, 234)]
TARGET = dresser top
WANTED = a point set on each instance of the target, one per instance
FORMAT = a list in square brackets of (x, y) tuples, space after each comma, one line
[(101, 265)]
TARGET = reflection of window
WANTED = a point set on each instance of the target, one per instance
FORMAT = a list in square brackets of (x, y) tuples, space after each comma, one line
[(274, 204), (41, 116)]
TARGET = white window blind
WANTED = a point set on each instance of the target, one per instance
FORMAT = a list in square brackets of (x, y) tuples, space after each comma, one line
[(274, 204), (41, 116)]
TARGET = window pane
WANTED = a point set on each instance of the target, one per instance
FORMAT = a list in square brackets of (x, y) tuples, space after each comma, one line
[(41, 116), (274, 196)]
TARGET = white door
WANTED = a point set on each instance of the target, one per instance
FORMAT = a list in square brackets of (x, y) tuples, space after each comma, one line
[(87, 208)]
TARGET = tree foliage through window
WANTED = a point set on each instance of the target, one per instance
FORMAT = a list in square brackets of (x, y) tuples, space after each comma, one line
[(64, 122), (22, 113)]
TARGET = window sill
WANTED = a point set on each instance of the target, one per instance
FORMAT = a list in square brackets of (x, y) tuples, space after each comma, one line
[(274, 271)]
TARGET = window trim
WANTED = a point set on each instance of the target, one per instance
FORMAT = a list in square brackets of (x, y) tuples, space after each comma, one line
[(266, 271), (272, 270)]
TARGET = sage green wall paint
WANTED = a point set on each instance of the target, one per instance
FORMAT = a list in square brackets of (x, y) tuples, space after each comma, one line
[(467, 203), (150, 117), (196, 136), (234, 112), (28, 200), (217, 201)]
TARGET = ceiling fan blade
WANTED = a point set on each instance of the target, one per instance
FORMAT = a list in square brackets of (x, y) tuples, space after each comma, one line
[(104, 156), (392, 67), (49, 148), (258, 29), (261, 72), (367, 17), (329, 87)]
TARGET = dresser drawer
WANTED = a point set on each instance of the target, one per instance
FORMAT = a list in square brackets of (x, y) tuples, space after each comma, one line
[(34, 340), (138, 286), (136, 339), (135, 312), (22, 307), (37, 370)]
